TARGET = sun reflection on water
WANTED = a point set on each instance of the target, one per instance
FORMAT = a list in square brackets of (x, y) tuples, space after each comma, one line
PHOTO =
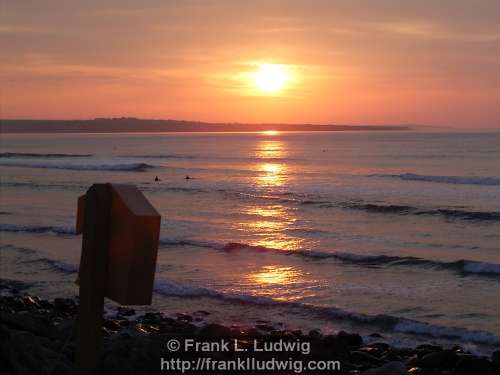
[(272, 171), (270, 148), (268, 225), (276, 275), (284, 283)]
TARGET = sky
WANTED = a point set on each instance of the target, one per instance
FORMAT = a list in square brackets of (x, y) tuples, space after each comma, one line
[(346, 62)]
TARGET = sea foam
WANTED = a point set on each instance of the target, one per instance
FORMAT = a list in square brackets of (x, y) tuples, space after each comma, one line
[(134, 167), (461, 180)]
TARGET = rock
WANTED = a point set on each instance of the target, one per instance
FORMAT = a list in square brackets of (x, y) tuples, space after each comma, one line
[(380, 345), (30, 302), (277, 333), (133, 355), (496, 367), (468, 365), (495, 357), (11, 304), (391, 356), (122, 322), (178, 326), (429, 347), (413, 361), (391, 368), (252, 332), (403, 352), (65, 305), (67, 327), (125, 311), (153, 317), (352, 339), (371, 350), (29, 322), (44, 304), (440, 359), (25, 353), (185, 317), (296, 333), (264, 327), (111, 325), (376, 335), (214, 330), (314, 334), (364, 358), (140, 329), (379, 350), (338, 347)]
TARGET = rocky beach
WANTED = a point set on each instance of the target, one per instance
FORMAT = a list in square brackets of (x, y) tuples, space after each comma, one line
[(38, 337)]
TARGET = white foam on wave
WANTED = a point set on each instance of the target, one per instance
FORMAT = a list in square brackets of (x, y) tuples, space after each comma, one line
[(460, 180), (465, 266), (173, 288), (396, 324), (33, 256), (5, 227), (41, 155), (76, 166), (411, 326), (481, 267), (60, 265)]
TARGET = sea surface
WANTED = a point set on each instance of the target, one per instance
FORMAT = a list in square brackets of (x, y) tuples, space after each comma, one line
[(389, 232)]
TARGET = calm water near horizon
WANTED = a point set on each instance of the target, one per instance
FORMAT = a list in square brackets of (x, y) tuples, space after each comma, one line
[(397, 233)]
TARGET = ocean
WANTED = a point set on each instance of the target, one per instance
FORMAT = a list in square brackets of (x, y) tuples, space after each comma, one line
[(390, 232)]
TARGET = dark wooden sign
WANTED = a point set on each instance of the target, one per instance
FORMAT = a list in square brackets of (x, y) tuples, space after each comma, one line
[(119, 248)]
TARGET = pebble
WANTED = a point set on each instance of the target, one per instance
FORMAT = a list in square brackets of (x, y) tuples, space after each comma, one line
[(469, 365), (391, 368), (144, 337)]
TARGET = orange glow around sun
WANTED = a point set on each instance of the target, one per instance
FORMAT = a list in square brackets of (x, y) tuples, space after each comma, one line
[(270, 132), (271, 78)]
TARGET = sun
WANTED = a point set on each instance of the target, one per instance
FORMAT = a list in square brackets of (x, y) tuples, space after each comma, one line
[(271, 78)]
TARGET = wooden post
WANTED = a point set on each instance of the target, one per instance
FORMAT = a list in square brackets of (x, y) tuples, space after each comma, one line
[(120, 243), (92, 275)]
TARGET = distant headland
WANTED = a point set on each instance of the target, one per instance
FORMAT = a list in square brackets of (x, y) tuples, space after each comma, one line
[(137, 125)]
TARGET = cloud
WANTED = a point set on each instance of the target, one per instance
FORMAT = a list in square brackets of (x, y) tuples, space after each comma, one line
[(17, 29), (432, 31)]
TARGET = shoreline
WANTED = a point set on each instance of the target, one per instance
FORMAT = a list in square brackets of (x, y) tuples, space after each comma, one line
[(35, 332)]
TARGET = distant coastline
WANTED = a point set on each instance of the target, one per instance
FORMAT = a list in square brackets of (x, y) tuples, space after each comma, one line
[(136, 125)]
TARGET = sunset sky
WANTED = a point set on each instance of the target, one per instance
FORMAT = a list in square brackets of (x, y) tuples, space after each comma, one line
[(346, 62)]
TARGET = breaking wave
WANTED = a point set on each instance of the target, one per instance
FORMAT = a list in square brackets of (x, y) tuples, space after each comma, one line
[(42, 156), (292, 198), (54, 186), (162, 156), (135, 167), (461, 266), (393, 323), (448, 213), (461, 180), (396, 324), (13, 228), (56, 264)]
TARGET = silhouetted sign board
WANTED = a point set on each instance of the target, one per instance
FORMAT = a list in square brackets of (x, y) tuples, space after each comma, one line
[(134, 227), (119, 248)]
